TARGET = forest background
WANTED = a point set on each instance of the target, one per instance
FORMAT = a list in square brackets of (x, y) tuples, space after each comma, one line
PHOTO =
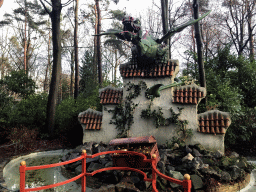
[(41, 96)]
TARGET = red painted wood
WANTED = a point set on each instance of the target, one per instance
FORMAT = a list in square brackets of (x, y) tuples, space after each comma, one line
[(22, 178)]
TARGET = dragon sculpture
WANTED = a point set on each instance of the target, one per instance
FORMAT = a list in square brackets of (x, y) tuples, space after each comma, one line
[(146, 49)]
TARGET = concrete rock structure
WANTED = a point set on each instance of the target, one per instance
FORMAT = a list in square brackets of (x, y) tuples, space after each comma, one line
[(208, 128)]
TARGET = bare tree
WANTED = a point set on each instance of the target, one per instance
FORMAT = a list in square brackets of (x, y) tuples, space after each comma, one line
[(240, 14), (76, 52)]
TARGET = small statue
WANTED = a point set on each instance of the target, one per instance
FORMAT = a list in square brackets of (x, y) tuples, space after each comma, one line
[(145, 48)]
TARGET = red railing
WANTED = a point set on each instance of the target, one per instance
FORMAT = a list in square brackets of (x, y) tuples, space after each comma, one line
[(186, 183)]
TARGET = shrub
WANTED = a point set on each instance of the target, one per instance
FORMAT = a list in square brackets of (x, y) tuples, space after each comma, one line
[(242, 130), (30, 112), (67, 117)]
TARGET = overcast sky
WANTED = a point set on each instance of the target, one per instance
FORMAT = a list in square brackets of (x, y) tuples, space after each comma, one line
[(132, 6)]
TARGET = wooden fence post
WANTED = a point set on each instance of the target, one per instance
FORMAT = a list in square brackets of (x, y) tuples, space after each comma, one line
[(22, 176), (84, 171)]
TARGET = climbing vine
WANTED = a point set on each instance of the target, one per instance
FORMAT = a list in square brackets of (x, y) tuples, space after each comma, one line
[(157, 116), (159, 120), (123, 113)]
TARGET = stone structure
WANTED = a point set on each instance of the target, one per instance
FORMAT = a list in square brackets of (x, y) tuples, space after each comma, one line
[(149, 67), (208, 128)]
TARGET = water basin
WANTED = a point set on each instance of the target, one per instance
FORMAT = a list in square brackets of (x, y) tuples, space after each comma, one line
[(37, 178)]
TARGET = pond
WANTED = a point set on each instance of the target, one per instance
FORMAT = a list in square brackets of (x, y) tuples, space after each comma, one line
[(37, 178)]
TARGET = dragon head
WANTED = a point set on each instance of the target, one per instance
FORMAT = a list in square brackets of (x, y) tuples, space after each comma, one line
[(131, 30), (131, 24)]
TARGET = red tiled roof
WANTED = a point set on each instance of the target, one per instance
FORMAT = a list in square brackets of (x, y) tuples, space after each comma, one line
[(214, 122), (111, 95), (159, 70), (188, 94), (91, 119)]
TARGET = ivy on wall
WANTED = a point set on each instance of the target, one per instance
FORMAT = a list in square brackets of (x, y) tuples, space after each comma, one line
[(123, 113)]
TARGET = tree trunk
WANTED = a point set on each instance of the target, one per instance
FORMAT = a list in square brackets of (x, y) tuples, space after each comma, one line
[(199, 46), (25, 39), (76, 92), (56, 67), (251, 39), (72, 73), (164, 8), (1, 2), (98, 20), (95, 54), (48, 65)]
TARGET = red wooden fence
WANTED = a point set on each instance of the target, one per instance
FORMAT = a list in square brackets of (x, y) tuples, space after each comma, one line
[(186, 183)]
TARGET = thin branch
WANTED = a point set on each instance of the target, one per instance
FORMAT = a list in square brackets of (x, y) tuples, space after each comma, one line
[(45, 8), (66, 4)]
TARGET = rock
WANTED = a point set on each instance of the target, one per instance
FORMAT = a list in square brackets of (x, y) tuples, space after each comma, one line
[(188, 150), (200, 148), (108, 188), (103, 161), (161, 166), (197, 182), (135, 179), (236, 172), (196, 153), (126, 187), (210, 171), (234, 154), (225, 161), (218, 154), (188, 157), (170, 168), (242, 164), (141, 185), (78, 169), (225, 177), (94, 166), (176, 146), (176, 175), (197, 163), (95, 159), (86, 146), (71, 156), (208, 161)]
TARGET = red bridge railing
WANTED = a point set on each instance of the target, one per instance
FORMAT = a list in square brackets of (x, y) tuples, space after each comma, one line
[(186, 183)]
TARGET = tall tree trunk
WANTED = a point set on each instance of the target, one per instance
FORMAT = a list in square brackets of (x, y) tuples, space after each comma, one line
[(25, 39), (199, 46), (98, 20), (95, 54), (48, 65), (72, 73), (76, 92), (251, 39), (1, 2), (56, 67), (164, 8)]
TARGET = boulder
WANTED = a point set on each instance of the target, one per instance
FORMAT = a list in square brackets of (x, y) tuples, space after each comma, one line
[(218, 154), (94, 166), (188, 157), (175, 175), (225, 177), (196, 153), (126, 187), (197, 182)]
